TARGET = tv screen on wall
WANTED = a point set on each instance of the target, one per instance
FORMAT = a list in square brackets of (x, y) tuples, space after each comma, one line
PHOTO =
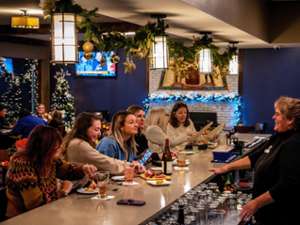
[(6, 66), (99, 65)]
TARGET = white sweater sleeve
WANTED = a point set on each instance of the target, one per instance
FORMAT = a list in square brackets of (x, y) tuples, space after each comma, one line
[(82, 152)]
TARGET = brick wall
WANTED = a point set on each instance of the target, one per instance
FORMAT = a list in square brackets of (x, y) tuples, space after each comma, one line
[(224, 111)]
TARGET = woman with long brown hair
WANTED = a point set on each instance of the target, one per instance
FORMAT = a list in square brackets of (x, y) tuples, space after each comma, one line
[(32, 173), (80, 143)]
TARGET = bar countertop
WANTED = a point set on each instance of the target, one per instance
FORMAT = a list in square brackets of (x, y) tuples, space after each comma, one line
[(81, 209)]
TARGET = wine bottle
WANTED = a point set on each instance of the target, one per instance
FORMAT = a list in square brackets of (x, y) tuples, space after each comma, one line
[(167, 162)]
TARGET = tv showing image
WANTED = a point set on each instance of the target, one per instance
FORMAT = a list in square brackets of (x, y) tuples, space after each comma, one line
[(98, 65), (6, 66)]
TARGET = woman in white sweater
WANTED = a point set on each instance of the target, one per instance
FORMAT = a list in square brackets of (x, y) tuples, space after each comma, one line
[(156, 126), (180, 123)]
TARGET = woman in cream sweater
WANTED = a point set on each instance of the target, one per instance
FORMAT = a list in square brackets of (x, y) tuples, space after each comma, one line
[(79, 144), (180, 123)]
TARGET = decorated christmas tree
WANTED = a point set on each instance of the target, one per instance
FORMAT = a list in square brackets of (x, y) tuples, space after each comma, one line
[(62, 99), (31, 78), (12, 98)]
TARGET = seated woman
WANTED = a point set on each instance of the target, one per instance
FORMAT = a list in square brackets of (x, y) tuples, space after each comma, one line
[(79, 144), (58, 122), (41, 112), (180, 123), (32, 173), (156, 123), (140, 139), (121, 144)]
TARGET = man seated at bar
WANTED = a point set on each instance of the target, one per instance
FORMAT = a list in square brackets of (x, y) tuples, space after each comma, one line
[(121, 144), (276, 169), (26, 123), (41, 112), (79, 145), (31, 175)]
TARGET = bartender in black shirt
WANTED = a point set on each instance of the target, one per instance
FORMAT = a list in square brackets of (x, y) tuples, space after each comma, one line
[(276, 165)]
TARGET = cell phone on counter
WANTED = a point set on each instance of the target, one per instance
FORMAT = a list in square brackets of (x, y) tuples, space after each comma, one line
[(128, 201), (146, 156)]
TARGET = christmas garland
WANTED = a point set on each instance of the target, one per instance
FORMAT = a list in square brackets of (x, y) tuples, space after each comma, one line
[(138, 46)]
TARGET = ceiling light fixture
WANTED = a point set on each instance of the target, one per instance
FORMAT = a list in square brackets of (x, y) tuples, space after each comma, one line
[(234, 62), (25, 21), (64, 38), (205, 56), (159, 55)]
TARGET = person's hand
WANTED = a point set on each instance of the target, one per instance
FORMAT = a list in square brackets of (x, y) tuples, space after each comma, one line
[(220, 170), (248, 210), (138, 167), (89, 169)]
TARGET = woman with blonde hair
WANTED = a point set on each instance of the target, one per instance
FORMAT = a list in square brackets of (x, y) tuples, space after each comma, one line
[(121, 144), (156, 126)]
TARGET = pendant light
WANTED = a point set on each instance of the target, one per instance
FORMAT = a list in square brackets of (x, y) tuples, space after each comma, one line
[(159, 55), (234, 62), (205, 56)]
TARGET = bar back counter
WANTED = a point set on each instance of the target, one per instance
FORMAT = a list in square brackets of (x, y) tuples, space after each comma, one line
[(81, 209)]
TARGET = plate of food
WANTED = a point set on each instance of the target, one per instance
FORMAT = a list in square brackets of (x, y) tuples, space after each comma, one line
[(118, 178), (89, 190), (159, 182), (153, 175)]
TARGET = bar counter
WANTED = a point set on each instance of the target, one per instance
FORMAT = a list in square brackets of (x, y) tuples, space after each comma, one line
[(81, 209)]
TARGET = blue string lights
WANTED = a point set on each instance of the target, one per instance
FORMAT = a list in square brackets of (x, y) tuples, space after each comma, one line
[(163, 98)]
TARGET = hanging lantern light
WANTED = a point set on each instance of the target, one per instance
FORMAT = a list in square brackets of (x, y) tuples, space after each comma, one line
[(64, 38), (234, 62), (205, 56), (159, 55)]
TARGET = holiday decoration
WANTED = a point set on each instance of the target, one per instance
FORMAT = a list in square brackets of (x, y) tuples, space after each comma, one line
[(62, 99), (162, 98)]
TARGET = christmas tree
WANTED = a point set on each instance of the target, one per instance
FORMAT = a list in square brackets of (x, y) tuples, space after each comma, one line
[(31, 78), (12, 98), (62, 99)]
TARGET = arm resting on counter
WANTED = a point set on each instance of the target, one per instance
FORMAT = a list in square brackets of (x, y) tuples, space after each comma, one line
[(243, 163)]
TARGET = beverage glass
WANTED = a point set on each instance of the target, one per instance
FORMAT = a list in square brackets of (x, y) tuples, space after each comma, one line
[(102, 180), (181, 159), (129, 173)]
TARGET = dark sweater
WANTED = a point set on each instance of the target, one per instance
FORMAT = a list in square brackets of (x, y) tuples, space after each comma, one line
[(277, 170)]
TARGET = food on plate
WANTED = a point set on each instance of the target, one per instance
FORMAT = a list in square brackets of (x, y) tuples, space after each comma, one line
[(154, 175), (91, 187)]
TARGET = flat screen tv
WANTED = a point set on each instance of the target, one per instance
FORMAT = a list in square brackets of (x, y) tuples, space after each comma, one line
[(99, 65), (6, 66)]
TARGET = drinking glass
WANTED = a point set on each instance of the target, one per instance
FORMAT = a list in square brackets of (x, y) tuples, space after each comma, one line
[(102, 180), (129, 173), (181, 159)]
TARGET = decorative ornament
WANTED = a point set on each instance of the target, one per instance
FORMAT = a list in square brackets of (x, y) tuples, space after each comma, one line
[(115, 58), (88, 48)]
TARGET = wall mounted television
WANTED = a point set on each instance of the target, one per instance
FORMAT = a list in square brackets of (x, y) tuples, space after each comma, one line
[(99, 65), (6, 66)]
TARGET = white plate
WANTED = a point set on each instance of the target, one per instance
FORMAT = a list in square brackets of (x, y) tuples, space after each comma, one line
[(189, 152), (118, 178), (86, 191), (154, 183)]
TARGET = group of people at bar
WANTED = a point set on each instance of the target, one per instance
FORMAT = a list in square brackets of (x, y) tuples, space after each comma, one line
[(32, 174)]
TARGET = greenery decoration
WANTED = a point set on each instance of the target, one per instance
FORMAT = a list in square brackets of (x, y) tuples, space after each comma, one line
[(138, 46)]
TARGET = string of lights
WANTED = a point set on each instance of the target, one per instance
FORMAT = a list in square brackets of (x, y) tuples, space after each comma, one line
[(163, 98)]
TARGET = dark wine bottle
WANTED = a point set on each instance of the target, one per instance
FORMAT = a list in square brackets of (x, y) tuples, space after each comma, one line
[(167, 162)]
